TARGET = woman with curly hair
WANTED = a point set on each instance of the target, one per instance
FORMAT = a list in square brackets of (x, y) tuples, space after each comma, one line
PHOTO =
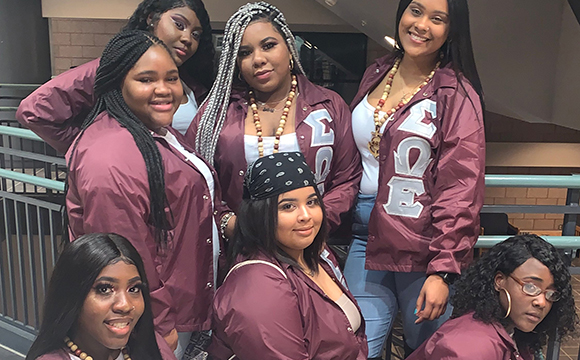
[(506, 305), (57, 109)]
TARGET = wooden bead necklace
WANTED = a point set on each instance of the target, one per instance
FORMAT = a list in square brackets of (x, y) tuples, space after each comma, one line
[(283, 118), (83, 355), (373, 144)]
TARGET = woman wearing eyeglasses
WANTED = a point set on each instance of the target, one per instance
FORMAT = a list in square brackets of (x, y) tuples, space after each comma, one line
[(506, 305)]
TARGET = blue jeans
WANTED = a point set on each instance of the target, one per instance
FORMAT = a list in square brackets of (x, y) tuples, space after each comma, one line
[(380, 294)]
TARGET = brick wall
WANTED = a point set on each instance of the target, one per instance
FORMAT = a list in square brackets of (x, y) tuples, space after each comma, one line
[(529, 196), (75, 42)]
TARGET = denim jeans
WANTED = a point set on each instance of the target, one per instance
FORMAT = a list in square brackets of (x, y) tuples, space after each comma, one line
[(381, 294)]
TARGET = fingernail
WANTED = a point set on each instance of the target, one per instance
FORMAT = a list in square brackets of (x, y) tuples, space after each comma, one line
[(415, 312)]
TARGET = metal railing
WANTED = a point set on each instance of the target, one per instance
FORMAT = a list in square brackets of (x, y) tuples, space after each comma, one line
[(31, 194), (571, 210)]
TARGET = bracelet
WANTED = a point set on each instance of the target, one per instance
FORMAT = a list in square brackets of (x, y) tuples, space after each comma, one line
[(224, 224)]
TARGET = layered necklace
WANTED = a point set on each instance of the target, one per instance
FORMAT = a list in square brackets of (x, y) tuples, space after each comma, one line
[(283, 118), (373, 144), (83, 355)]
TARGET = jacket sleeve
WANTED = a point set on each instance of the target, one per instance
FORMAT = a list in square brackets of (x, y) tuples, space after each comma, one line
[(115, 198), (346, 170), (259, 314), (459, 185), (56, 110)]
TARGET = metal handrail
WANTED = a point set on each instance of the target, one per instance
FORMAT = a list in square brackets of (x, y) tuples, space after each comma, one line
[(560, 242), (31, 179), (543, 181), (20, 86), (19, 132)]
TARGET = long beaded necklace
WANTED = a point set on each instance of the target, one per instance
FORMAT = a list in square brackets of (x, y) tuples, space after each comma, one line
[(373, 144), (283, 118), (83, 355)]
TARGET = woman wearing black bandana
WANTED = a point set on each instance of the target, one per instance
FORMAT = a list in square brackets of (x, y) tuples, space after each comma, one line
[(284, 297)]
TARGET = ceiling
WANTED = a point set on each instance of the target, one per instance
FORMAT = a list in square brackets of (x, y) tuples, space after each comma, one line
[(527, 52)]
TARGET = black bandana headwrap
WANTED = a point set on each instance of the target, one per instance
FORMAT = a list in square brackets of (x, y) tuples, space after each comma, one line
[(276, 174)]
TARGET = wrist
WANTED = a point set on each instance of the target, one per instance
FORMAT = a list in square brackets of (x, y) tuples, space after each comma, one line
[(448, 278), (224, 224)]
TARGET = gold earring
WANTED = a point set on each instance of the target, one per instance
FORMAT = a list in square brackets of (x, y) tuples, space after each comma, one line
[(291, 64), (509, 298)]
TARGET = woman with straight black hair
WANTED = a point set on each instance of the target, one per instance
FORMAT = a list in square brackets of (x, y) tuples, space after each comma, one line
[(57, 109), (418, 125), (131, 173), (98, 304), (284, 297), (507, 305)]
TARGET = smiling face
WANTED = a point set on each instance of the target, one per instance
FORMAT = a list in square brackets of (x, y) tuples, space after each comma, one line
[(526, 311), (264, 58), (180, 30), (110, 310), (424, 27), (152, 88), (299, 220)]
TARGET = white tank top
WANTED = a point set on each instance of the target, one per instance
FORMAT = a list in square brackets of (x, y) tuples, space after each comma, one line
[(288, 143), (363, 124)]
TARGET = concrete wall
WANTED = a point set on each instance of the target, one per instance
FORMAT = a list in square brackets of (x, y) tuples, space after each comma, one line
[(24, 49), (77, 41)]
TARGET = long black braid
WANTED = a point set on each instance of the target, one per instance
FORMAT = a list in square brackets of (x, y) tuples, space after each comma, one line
[(119, 56)]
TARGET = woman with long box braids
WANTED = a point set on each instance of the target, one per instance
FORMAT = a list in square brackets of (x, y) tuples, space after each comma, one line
[(262, 103), (129, 172)]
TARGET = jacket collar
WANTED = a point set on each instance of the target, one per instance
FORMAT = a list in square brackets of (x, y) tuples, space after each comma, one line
[(507, 339), (443, 77)]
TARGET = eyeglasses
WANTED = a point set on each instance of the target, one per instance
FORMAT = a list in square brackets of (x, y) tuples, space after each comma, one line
[(533, 290)]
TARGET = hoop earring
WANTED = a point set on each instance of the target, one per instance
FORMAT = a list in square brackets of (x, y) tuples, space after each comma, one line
[(509, 309), (291, 64), (240, 76)]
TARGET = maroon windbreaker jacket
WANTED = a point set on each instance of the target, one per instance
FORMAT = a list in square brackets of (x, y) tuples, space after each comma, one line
[(467, 338), (324, 132), (109, 192), (431, 177), (265, 313)]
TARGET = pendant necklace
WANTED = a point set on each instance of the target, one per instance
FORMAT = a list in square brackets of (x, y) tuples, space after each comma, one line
[(376, 135), (283, 118)]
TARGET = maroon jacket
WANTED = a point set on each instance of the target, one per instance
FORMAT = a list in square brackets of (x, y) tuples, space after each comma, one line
[(63, 354), (56, 110), (431, 178), (467, 338), (260, 313), (109, 192), (324, 132)]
